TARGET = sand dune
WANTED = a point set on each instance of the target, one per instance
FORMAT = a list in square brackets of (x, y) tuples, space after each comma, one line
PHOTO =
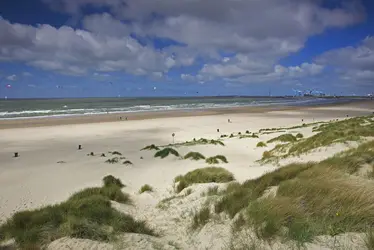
[(50, 168)]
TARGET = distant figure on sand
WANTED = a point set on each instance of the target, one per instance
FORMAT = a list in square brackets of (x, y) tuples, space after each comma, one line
[(229, 121)]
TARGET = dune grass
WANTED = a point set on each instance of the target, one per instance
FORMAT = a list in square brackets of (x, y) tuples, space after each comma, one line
[(238, 196), (299, 136), (145, 188), (87, 214), (283, 138), (115, 153), (151, 147), (194, 156), (353, 129), (216, 159), (127, 162), (110, 180), (113, 160), (163, 153), (261, 144), (194, 142), (200, 218), (203, 175), (312, 199)]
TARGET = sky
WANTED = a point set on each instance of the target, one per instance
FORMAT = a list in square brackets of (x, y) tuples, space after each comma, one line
[(129, 48)]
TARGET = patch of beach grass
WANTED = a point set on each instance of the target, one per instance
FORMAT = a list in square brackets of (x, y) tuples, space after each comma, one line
[(151, 147), (115, 153), (194, 156), (87, 214), (127, 162), (145, 188), (283, 138), (299, 136), (163, 153), (203, 175), (238, 196), (200, 218), (261, 144), (114, 160), (216, 159), (110, 180), (369, 239), (194, 142)]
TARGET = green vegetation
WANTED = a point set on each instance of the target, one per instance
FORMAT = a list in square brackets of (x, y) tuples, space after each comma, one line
[(113, 160), (261, 144), (203, 175), (276, 130), (216, 159), (369, 240), (115, 153), (165, 152), (311, 199), (127, 162), (194, 142), (102, 155), (145, 188), (200, 218), (151, 147), (283, 138), (352, 129), (194, 156), (299, 136), (212, 191), (248, 136), (110, 180), (87, 214)]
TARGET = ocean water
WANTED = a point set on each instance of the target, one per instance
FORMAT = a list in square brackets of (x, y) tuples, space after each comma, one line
[(27, 108)]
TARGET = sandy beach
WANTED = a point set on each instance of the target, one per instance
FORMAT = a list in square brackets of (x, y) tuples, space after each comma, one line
[(50, 167)]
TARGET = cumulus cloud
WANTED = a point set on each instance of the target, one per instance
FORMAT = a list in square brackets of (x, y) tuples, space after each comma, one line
[(352, 63), (12, 78), (74, 51), (255, 34)]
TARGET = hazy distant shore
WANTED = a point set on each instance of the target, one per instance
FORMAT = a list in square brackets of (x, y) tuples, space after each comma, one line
[(101, 118)]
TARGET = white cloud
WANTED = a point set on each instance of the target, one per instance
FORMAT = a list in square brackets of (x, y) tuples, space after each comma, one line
[(255, 33), (12, 78), (26, 73), (77, 51), (355, 64)]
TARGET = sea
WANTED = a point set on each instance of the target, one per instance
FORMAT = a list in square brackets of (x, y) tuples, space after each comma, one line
[(35, 108)]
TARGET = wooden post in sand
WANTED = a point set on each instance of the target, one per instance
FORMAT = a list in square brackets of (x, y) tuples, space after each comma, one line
[(15, 154), (79, 147), (217, 129)]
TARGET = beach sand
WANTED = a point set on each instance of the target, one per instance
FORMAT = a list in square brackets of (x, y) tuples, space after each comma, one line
[(50, 167)]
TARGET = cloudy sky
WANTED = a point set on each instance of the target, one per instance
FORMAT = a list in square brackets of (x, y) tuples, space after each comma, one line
[(82, 48)]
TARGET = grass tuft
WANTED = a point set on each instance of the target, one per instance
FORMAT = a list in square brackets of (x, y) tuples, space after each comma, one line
[(194, 156), (110, 180), (203, 175), (283, 138), (127, 162), (113, 160), (299, 136), (261, 144), (201, 218), (151, 147), (116, 153), (145, 188), (216, 159), (165, 152), (87, 215)]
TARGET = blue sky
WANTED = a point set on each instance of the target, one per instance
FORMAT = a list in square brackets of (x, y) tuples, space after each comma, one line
[(89, 48)]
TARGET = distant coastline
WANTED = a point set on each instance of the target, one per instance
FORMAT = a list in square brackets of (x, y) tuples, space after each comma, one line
[(42, 108)]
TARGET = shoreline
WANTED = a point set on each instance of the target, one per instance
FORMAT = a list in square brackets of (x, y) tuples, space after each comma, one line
[(115, 117)]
